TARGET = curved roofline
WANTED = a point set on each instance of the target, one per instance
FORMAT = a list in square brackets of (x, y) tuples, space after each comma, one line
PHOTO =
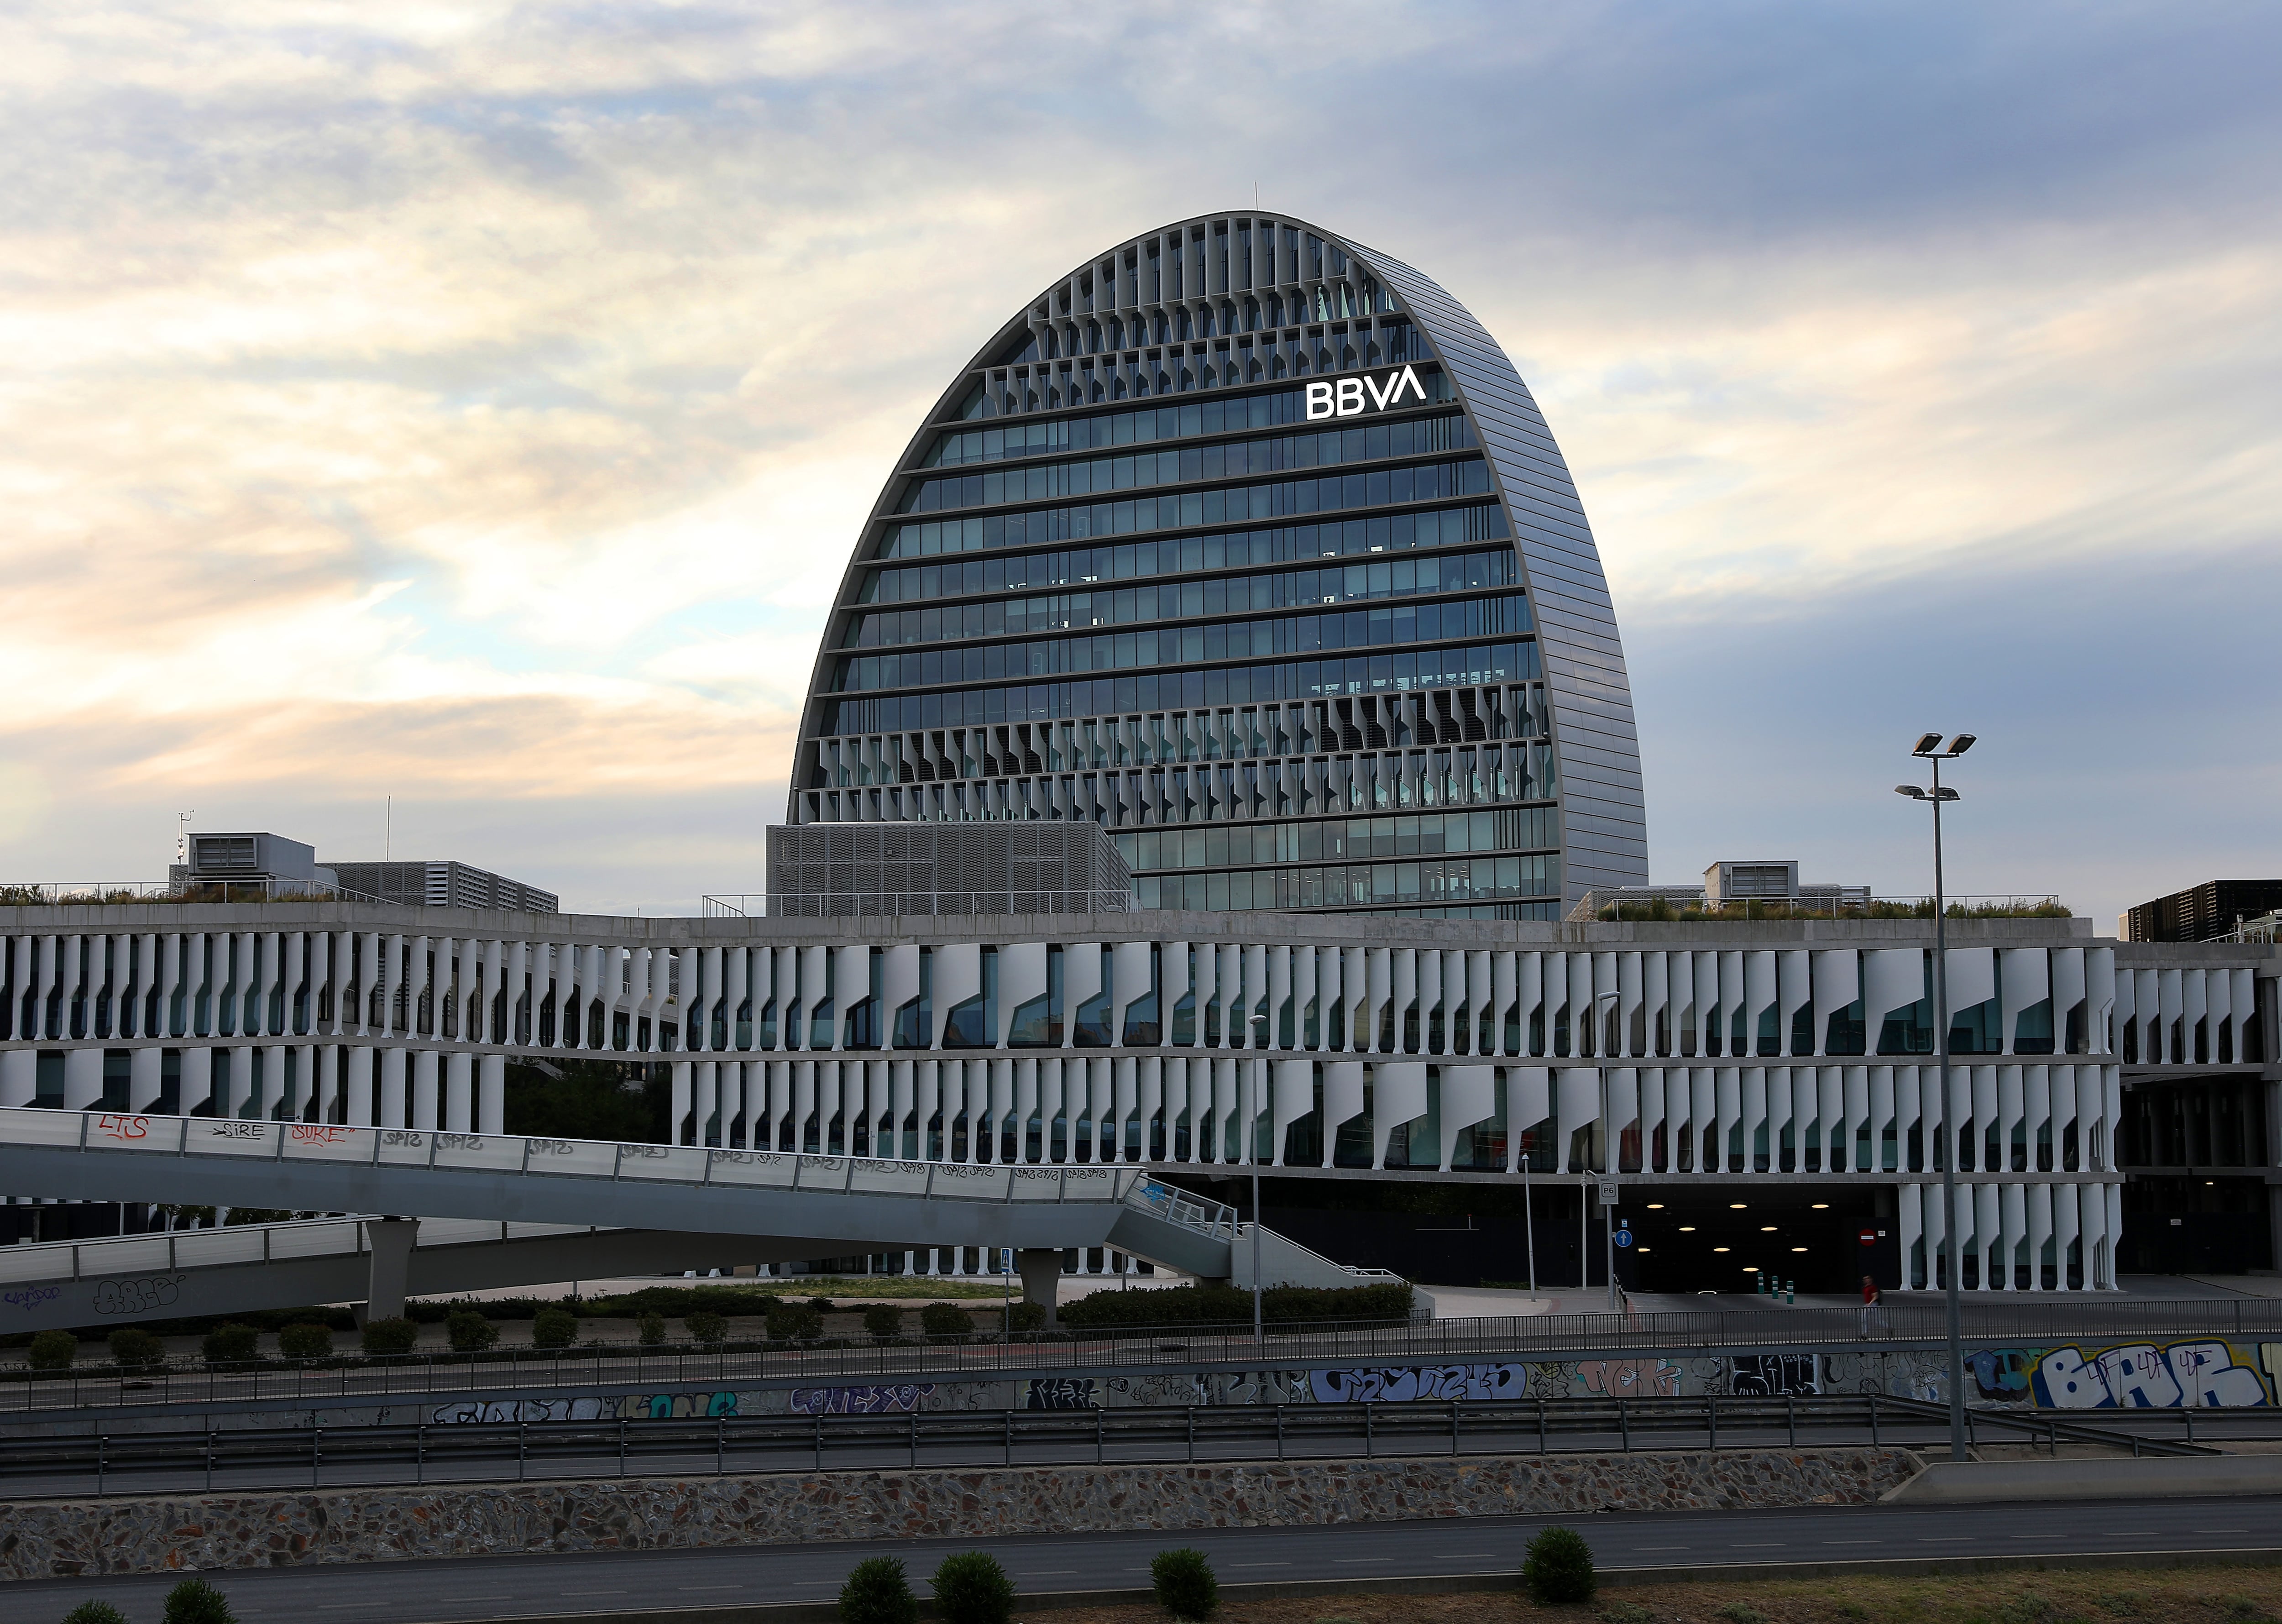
[(1603, 834)]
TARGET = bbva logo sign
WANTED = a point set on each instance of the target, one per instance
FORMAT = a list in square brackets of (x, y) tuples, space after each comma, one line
[(1350, 397)]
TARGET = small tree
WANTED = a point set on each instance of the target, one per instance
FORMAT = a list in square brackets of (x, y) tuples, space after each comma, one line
[(95, 1612), (876, 1593), (883, 1322), (554, 1327), (230, 1344), (944, 1320), (194, 1600), (972, 1589), (1184, 1583), (133, 1348), (389, 1336), (649, 1329), (468, 1331), (705, 1326), (795, 1322), (53, 1350), (306, 1341), (1559, 1567)]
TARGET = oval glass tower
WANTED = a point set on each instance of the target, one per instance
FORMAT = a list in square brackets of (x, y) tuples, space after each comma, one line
[(1247, 543)]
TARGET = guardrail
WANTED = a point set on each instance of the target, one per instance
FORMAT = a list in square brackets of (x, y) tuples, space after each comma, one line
[(1177, 1348), (909, 1437), (910, 905), (172, 1250), (124, 1133)]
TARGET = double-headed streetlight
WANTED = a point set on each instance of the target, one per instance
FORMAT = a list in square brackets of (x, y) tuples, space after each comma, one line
[(1929, 749)]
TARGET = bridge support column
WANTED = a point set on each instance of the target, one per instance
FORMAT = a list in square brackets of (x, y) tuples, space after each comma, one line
[(389, 1242), (1042, 1279)]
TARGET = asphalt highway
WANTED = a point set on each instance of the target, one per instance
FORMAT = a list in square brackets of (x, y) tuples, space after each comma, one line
[(531, 1586)]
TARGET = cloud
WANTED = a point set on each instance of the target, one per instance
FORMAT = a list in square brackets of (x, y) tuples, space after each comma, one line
[(477, 403)]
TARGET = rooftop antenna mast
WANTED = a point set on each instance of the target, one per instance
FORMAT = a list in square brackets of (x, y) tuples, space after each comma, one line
[(183, 834), (388, 829)]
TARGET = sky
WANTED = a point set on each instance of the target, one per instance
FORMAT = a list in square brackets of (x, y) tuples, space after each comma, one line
[(443, 425)]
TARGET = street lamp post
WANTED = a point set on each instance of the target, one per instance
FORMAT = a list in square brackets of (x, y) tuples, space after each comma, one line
[(1931, 749)]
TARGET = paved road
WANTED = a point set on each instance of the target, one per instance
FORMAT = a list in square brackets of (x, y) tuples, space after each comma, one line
[(525, 1587)]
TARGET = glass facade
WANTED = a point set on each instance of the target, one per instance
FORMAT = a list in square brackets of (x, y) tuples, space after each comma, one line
[(1212, 545)]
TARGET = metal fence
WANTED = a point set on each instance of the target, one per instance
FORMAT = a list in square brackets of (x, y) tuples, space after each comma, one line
[(1185, 1348), (910, 1438), (96, 893), (912, 904)]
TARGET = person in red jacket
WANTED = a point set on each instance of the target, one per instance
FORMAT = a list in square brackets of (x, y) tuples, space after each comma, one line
[(1871, 1299)]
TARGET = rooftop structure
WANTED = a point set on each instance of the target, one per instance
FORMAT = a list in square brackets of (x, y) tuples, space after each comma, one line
[(2201, 913), (843, 871)]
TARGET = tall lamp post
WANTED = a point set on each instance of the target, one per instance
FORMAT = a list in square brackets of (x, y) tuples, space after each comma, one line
[(1931, 749)]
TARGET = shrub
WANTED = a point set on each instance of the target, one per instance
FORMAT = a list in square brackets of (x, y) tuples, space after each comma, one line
[(230, 1344), (1558, 1568), (1023, 1319), (554, 1328), (883, 1321), (53, 1350), (649, 1330), (306, 1341), (1184, 1583), (388, 1336), (1632, 1613), (705, 1326), (944, 1320), (878, 1593), (972, 1589), (194, 1600), (468, 1331), (795, 1322), (1224, 1305), (1741, 1613), (133, 1348), (95, 1612), (822, 1305)]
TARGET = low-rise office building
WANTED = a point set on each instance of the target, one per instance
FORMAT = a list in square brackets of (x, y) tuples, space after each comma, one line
[(1764, 1095)]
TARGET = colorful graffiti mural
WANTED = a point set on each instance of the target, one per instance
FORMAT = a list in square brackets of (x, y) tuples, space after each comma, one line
[(2198, 1375), (1399, 1384), (894, 1399), (1628, 1377), (629, 1407)]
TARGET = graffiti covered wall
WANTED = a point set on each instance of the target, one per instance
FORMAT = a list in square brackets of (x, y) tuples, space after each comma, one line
[(2203, 1373)]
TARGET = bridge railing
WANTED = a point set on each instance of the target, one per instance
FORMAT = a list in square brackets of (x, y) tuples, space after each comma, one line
[(172, 1250), (1178, 1205), (141, 1134)]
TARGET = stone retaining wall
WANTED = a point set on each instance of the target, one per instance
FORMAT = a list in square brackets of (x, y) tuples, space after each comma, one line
[(281, 1529)]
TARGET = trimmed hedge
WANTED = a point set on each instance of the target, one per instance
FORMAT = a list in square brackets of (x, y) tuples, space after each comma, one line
[(877, 1593), (396, 1335), (230, 1344), (470, 1332), (972, 1589), (306, 1341), (1226, 1305), (194, 1600), (1184, 1582), (1558, 1568), (133, 1348)]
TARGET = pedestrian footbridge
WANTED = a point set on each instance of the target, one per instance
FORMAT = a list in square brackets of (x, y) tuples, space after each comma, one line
[(200, 1272), (785, 1206)]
